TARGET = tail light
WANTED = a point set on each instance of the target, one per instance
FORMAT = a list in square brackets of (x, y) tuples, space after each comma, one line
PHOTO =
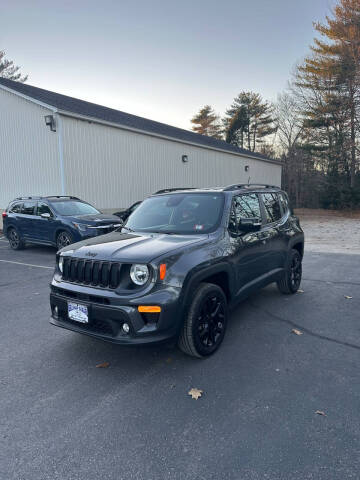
[(4, 214)]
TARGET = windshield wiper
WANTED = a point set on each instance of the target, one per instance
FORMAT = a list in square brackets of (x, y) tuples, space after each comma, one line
[(127, 228)]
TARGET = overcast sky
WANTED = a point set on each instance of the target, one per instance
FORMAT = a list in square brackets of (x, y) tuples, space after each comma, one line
[(160, 59)]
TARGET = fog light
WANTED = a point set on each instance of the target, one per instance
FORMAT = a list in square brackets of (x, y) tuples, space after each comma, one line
[(126, 328), (56, 311)]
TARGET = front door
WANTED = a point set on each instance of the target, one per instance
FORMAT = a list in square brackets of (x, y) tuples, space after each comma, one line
[(44, 228)]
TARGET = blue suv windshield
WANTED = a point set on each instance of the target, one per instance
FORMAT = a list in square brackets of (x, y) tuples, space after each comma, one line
[(182, 213), (71, 208)]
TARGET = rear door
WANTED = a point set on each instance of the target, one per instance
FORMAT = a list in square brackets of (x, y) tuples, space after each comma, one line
[(272, 233), (12, 218), (26, 219), (248, 250)]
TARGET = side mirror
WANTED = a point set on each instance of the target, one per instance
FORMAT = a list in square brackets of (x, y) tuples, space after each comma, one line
[(250, 224), (45, 215)]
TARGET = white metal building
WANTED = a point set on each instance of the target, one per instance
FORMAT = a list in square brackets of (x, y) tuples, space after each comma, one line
[(52, 144)]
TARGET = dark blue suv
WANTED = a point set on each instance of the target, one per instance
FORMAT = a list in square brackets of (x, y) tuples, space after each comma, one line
[(54, 220)]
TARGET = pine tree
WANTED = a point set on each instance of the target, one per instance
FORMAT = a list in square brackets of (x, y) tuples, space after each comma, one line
[(249, 120), (9, 70), (330, 79), (207, 122)]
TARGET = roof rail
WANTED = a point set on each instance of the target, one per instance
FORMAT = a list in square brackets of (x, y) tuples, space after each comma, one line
[(33, 197), (248, 185), (62, 196), (38, 197), (168, 190)]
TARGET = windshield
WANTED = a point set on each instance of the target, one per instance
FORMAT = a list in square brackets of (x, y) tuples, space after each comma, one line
[(70, 208), (181, 213)]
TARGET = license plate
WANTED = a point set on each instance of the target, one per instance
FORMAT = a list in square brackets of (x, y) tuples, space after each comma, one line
[(77, 312)]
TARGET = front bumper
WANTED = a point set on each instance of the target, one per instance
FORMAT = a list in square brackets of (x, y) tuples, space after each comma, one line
[(108, 312)]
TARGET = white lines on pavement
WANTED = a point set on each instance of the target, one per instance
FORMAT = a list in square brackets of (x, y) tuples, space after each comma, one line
[(26, 264)]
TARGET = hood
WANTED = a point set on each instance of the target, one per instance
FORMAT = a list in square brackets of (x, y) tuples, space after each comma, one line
[(95, 219), (132, 247)]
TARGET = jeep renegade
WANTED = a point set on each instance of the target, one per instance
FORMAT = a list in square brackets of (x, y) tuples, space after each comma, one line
[(183, 257)]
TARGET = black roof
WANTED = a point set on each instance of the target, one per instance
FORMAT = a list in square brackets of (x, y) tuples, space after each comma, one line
[(80, 107)]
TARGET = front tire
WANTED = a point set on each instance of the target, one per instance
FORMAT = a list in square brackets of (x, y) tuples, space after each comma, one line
[(291, 280), (205, 323), (63, 240), (15, 241)]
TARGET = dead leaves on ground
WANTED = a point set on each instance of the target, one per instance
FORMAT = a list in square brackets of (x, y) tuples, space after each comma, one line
[(300, 291), (103, 365), (347, 297), (195, 393), (320, 412), (296, 331)]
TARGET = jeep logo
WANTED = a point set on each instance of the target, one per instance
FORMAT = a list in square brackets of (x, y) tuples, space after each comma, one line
[(91, 254)]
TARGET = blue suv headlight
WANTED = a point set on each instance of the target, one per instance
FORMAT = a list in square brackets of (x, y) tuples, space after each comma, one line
[(80, 226)]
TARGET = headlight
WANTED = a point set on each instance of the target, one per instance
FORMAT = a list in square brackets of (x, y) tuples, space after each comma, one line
[(80, 226), (61, 264), (139, 274)]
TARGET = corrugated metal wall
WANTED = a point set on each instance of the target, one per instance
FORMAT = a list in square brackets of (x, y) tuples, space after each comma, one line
[(112, 168), (29, 162)]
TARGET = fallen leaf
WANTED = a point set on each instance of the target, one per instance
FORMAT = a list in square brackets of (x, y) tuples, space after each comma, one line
[(319, 412), (300, 291), (347, 297), (296, 331), (103, 365), (195, 393)]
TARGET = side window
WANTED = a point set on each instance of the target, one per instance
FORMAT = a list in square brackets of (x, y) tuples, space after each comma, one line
[(15, 208), (28, 208), (272, 207), (244, 206), (284, 202), (43, 208)]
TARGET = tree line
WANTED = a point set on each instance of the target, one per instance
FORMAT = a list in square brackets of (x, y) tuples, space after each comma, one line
[(314, 126)]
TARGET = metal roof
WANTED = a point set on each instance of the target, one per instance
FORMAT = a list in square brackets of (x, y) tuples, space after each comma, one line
[(65, 104)]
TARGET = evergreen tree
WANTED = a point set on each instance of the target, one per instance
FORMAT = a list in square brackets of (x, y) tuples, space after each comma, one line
[(9, 70), (330, 81), (249, 120), (207, 122)]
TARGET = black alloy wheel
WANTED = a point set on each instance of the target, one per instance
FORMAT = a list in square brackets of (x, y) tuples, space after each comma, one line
[(291, 280), (63, 240), (205, 325), (14, 239), (296, 272)]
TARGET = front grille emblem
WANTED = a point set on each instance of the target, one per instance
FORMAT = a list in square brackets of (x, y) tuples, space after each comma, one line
[(91, 254)]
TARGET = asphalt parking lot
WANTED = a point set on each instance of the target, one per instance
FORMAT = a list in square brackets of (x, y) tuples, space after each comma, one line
[(63, 418)]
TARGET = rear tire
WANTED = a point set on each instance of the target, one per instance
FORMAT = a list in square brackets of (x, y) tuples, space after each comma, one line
[(205, 323), (15, 241), (63, 239), (291, 280)]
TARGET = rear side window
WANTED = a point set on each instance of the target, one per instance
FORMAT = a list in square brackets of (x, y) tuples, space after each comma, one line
[(28, 208), (272, 207), (244, 206), (15, 208), (284, 202)]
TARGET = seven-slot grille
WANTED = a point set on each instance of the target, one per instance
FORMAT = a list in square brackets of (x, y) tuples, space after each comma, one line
[(91, 272)]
